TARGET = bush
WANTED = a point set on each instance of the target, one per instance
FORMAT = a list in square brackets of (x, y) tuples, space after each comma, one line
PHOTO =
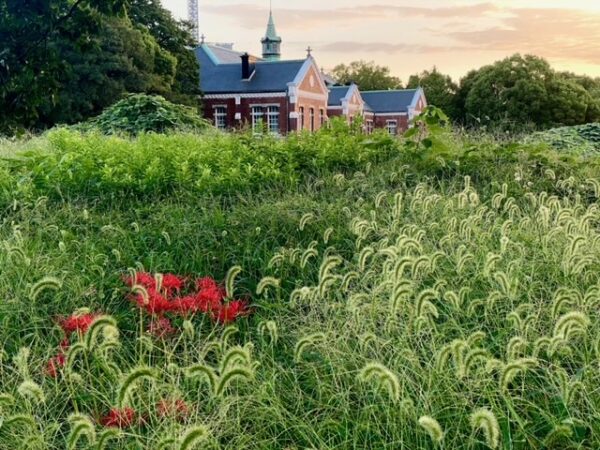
[(577, 139), (140, 113), (92, 164)]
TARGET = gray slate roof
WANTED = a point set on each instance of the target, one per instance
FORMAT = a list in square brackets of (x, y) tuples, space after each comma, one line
[(224, 55), (336, 94), (389, 101), (221, 78)]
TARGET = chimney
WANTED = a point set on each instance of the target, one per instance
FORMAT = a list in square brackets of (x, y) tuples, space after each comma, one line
[(247, 67)]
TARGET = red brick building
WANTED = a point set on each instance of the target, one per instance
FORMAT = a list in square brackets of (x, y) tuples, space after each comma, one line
[(240, 90)]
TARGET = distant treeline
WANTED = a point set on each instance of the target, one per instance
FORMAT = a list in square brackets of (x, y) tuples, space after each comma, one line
[(517, 93)]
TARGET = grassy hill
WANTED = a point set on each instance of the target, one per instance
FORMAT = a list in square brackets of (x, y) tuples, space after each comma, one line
[(434, 292)]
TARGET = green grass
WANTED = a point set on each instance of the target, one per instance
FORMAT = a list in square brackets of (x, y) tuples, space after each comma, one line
[(445, 298)]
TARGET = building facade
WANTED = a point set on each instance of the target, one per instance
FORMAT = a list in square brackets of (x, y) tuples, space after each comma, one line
[(282, 96)]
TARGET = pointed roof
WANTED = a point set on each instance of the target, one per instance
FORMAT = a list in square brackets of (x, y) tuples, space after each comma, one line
[(224, 77), (271, 33), (399, 100)]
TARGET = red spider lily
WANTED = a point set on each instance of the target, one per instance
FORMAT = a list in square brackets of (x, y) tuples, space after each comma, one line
[(210, 299), (65, 344), (176, 409), (206, 283), (77, 323), (172, 283), (142, 278), (231, 311), (153, 303), (119, 418), (161, 328), (54, 364)]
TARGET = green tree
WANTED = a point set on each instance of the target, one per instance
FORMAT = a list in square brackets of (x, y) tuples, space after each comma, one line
[(177, 38), (524, 91), (367, 75), (30, 58), (513, 92), (65, 60), (124, 59), (440, 90), (592, 86)]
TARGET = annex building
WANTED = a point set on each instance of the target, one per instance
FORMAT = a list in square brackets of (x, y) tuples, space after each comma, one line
[(286, 96)]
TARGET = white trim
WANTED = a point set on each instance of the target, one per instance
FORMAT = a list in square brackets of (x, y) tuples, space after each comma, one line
[(294, 87), (312, 95), (238, 100), (238, 116), (294, 115), (334, 107), (219, 106), (253, 95), (264, 105), (401, 114)]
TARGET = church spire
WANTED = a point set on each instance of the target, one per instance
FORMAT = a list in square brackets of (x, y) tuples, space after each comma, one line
[(271, 43)]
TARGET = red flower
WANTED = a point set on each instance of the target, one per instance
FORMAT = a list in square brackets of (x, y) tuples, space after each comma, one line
[(77, 323), (172, 283), (154, 303), (206, 283), (119, 418), (65, 344), (231, 311), (210, 299), (161, 327), (142, 278), (54, 364), (177, 409)]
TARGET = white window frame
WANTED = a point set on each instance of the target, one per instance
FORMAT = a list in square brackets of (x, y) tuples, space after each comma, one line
[(220, 116), (273, 119), (392, 127), (312, 119), (321, 116), (257, 123), (301, 118), (369, 126)]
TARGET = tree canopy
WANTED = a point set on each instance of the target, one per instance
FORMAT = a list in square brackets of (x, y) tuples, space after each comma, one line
[(367, 75), (63, 61), (524, 90), (439, 89)]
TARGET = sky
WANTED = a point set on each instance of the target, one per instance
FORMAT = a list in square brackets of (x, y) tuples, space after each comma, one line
[(410, 36)]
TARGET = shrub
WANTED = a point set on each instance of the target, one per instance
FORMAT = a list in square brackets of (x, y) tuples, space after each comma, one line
[(141, 113)]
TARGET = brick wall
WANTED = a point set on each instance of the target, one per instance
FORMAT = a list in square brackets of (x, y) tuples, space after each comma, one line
[(244, 108), (401, 119), (309, 89)]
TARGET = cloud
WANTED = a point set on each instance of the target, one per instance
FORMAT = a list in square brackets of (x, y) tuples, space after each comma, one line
[(253, 16), (553, 33), (386, 47)]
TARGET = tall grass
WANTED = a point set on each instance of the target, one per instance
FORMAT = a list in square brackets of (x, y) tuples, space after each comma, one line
[(433, 300)]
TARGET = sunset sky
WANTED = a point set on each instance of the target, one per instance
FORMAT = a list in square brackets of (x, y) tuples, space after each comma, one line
[(410, 36)]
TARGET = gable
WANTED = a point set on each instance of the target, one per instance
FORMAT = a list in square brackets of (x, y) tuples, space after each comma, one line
[(313, 82)]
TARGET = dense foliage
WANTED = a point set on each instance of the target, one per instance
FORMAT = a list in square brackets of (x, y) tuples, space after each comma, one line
[(140, 113), (89, 164), (440, 292), (580, 139), (440, 89), (515, 94), (64, 61), (367, 75)]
